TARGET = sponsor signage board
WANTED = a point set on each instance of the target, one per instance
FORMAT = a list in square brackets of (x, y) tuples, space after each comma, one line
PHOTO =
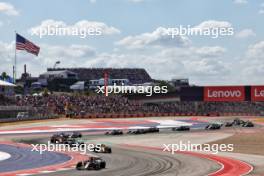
[(224, 93), (257, 93)]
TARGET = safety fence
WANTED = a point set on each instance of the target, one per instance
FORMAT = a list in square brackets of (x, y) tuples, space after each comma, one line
[(26, 119), (24, 113)]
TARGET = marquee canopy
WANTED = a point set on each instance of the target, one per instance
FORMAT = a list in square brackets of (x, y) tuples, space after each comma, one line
[(6, 84)]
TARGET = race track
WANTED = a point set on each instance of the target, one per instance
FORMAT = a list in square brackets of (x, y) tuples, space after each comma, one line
[(139, 162), (22, 158), (133, 155)]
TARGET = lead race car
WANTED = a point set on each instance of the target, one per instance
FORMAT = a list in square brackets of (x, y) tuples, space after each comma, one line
[(94, 163)]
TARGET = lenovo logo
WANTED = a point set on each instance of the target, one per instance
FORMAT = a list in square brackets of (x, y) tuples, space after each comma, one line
[(221, 94), (257, 93), (224, 93)]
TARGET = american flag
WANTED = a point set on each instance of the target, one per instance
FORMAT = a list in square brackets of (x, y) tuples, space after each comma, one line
[(24, 44)]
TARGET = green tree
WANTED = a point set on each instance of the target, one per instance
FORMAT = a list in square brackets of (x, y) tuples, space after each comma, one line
[(4, 76)]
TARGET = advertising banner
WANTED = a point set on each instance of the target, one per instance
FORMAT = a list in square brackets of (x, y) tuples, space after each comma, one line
[(224, 93), (257, 93)]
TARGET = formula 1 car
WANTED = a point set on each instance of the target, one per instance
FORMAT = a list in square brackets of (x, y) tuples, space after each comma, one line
[(181, 128), (74, 142), (114, 132), (229, 124), (213, 126), (238, 122), (248, 124), (75, 134), (64, 135), (102, 149), (137, 131), (65, 139), (152, 130), (58, 138), (93, 163)]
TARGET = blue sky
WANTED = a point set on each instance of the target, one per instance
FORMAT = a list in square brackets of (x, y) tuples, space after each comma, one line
[(237, 59)]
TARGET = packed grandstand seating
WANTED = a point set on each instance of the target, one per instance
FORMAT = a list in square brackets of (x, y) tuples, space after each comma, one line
[(65, 104), (5, 101), (134, 75)]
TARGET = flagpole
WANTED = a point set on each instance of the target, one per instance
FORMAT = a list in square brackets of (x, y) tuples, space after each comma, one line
[(15, 66), (23, 44)]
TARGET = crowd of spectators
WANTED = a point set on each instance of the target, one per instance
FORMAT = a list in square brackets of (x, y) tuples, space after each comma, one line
[(76, 104), (5, 101)]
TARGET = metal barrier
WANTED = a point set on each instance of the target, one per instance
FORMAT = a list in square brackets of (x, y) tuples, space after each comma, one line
[(27, 119), (15, 108), (140, 115), (9, 113)]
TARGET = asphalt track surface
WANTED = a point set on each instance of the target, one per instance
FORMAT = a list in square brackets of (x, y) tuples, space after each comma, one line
[(136, 162), (124, 161), (23, 158), (105, 125), (127, 161)]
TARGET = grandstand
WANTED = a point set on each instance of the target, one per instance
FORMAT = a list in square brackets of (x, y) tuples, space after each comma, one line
[(118, 104), (183, 100), (134, 75)]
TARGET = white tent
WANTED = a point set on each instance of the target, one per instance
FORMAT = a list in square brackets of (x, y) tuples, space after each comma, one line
[(6, 84), (77, 86)]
